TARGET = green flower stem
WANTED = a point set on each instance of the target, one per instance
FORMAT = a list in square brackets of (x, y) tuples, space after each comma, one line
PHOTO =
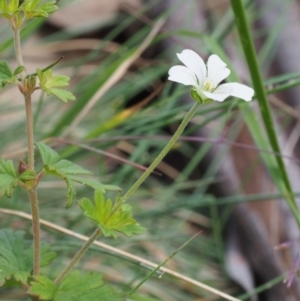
[(162, 154), (249, 50), (161, 264), (48, 67), (79, 254)]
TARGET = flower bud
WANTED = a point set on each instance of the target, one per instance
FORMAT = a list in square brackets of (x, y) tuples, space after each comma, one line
[(27, 176), (22, 167), (29, 83)]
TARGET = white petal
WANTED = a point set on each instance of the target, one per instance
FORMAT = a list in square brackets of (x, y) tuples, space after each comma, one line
[(220, 95), (239, 90), (195, 63), (183, 75), (217, 70)]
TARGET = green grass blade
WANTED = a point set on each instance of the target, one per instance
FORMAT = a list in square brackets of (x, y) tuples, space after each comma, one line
[(249, 51)]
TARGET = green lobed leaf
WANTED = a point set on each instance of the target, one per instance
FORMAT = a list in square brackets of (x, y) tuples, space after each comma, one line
[(32, 10), (110, 218), (49, 7), (8, 8), (7, 167), (49, 156), (12, 6), (47, 255), (63, 95), (6, 74), (12, 256), (69, 172), (3, 6), (43, 287), (49, 84), (16, 261), (94, 184), (74, 287), (31, 4), (65, 170), (8, 177), (7, 185), (69, 168)]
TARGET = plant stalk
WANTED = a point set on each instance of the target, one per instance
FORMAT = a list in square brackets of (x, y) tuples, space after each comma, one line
[(162, 154), (36, 230), (18, 49), (32, 192), (30, 132), (161, 264), (30, 141), (77, 257)]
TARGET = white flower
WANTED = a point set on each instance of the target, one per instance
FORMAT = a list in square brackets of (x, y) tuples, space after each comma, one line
[(205, 80)]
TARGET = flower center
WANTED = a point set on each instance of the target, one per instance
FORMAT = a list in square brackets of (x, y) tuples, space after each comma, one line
[(208, 85)]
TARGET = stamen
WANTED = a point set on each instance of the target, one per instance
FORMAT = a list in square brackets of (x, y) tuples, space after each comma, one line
[(208, 85)]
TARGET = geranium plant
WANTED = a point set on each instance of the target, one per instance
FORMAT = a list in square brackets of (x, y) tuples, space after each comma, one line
[(111, 217)]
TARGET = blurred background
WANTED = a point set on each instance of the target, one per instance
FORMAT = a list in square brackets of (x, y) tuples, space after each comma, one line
[(214, 180)]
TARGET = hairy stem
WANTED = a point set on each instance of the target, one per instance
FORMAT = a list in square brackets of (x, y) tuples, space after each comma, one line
[(32, 192), (79, 254), (30, 141), (18, 49), (30, 133), (162, 154), (35, 230)]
